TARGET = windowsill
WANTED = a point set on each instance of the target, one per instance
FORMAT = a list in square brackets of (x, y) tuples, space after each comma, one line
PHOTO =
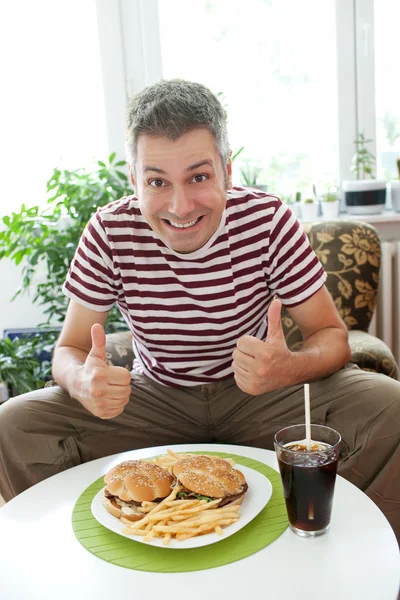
[(387, 223), (388, 216)]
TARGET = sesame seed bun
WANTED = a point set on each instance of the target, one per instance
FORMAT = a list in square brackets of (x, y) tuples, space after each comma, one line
[(210, 476), (133, 482)]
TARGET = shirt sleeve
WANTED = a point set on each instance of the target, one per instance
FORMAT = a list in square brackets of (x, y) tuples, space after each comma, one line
[(91, 280), (294, 271)]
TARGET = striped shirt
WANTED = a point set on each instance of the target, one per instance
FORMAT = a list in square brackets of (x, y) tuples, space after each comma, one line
[(187, 311)]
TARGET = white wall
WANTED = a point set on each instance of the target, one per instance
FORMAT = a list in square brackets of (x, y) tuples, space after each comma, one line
[(21, 312)]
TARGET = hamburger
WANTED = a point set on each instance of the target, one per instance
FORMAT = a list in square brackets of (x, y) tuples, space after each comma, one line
[(209, 478), (132, 482)]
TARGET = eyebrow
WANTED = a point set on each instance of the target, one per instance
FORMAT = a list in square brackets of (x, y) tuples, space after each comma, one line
[(200, 163), (193, 167)]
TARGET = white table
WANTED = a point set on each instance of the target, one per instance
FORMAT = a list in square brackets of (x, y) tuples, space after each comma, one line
[(358, 559)]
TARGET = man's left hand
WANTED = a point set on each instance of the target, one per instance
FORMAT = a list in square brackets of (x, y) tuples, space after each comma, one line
[(259, 366)]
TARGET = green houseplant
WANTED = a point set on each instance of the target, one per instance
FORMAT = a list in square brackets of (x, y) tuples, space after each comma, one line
[(309, 204), (365, 194), (363, 161), (296, 206), (330, 203), (252, 176), (20, 367), (309, 208), (44, 240)]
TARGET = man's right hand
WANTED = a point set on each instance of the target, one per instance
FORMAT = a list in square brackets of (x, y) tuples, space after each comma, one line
[(104, 390)]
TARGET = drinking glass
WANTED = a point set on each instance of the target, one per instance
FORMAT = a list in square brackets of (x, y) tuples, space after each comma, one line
[(308, 476)]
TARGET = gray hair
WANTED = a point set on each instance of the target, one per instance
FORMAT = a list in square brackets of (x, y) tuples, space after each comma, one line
[(172, 108)]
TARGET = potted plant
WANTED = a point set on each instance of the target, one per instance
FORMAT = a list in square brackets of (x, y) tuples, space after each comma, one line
[(296, 206), (330, 204), (20, 367), (309, 204), (4, 395), (364, 195), (252, 176), (44, 241), (395, 190), (309, 208)]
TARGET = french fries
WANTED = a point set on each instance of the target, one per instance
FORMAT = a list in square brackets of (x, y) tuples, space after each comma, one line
[(181, 519)]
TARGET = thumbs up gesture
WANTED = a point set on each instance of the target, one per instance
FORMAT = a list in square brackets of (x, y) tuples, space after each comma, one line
[(104, 389), (259, 366)]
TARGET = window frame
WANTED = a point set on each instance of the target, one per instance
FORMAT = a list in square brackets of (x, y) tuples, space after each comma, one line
[(130, 47)]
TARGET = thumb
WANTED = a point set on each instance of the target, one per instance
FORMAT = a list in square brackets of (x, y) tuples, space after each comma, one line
[(98, 342), (274, 320)]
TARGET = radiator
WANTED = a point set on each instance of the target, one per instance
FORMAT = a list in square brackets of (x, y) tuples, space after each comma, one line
[(386, 321)]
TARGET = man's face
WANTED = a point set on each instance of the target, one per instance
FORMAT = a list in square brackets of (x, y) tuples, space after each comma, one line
[(181, 187)]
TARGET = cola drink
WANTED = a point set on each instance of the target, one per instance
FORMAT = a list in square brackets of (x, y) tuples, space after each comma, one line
[(308, 480)]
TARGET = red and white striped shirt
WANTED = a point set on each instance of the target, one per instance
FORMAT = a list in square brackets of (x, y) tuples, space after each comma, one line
[(187, 311)]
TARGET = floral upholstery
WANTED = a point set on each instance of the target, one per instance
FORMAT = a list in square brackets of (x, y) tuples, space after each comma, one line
[(119, 349), (350, 252), (371, 354)]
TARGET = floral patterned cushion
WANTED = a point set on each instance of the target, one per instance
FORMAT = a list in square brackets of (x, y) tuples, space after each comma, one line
[(371, 354), (119, 349), (350, 252)]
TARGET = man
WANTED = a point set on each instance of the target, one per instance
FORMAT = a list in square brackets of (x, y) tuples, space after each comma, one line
[(194, 265)]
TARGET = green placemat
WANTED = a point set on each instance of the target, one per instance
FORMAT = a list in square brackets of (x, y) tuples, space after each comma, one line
[(269, 524)]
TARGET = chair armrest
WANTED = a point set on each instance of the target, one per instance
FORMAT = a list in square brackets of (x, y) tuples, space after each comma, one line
[(372, 354), (367, 351), (119, 349)]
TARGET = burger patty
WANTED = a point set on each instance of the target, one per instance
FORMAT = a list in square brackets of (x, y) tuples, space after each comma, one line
[(118, 499), (189, 494), (225, 500), (126, 502), (233, 497)]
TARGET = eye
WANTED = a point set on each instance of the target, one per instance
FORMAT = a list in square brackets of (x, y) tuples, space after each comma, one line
[(199, 178), (157, 183)]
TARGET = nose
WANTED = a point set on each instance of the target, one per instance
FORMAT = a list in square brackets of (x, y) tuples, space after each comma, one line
[(181, 203)]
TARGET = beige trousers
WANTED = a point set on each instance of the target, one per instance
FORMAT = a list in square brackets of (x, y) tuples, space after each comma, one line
[(47, 431)]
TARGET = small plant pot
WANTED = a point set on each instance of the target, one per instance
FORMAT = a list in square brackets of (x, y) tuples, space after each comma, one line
[(395, 195), (309, 211), (262, 187), (330, 210), (3, 392), (364, 196), (296, 209)]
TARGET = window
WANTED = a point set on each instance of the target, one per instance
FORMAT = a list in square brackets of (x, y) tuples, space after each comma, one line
[(277, 79), (53, 110), (387, 87)]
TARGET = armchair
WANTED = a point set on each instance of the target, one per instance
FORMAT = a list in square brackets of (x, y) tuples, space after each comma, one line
[(350, 252)]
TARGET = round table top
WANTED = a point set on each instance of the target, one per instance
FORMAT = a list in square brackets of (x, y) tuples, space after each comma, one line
[(40, 556)]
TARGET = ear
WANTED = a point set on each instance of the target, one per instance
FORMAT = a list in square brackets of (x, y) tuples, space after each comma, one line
[(229, 172), (131, 175)]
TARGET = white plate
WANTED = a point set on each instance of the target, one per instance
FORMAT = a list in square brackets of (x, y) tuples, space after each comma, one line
[(256, 497)]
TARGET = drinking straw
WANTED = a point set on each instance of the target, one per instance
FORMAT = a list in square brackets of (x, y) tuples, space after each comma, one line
[(307, 411)]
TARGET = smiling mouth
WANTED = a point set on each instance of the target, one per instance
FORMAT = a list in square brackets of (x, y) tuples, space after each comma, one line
[(183, 225)]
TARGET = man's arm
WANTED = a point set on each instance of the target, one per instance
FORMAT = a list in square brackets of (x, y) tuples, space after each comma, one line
[(325, 349), (80, 367), (265, 366)]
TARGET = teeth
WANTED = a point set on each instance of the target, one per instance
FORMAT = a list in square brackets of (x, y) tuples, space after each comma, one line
[(183, 225)]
